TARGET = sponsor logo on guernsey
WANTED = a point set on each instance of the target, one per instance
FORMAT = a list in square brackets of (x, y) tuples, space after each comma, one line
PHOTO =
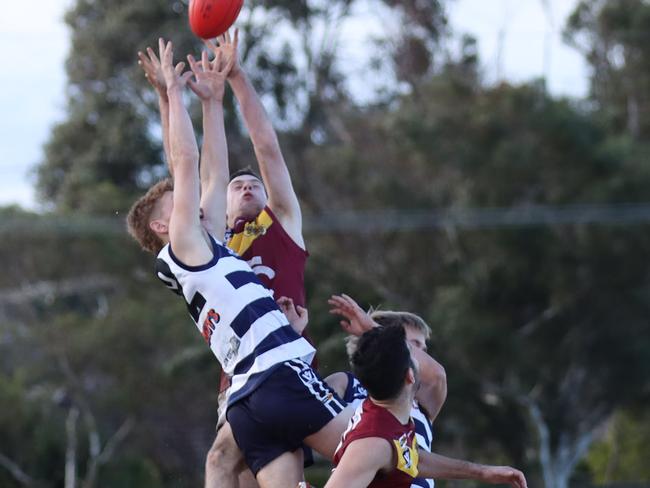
[(210, 324), (233, 349)]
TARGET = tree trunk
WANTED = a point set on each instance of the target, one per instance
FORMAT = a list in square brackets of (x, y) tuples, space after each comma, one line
[(558, 464), (71, 448)]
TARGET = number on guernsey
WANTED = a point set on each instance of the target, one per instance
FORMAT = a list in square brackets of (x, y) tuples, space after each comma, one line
[(164, 273)]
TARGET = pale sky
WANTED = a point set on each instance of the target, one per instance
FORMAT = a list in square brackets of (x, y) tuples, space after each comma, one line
[(34, 44)]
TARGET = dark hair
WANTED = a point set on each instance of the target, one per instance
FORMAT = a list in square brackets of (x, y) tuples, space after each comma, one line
[(381, 361), (244, 171)]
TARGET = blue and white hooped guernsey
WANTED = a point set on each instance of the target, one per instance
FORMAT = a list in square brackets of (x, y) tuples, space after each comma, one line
[(424, 435), (236, 314)]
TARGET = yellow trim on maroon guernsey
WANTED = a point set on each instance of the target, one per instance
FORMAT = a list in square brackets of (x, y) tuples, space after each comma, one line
[(241, 241), (407, 456)]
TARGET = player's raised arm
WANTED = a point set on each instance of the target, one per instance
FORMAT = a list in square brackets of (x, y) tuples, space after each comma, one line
[(356, 321), (275, 174), (362, 460), (185, 232), (433, 389), (209, 86), (153, 72)]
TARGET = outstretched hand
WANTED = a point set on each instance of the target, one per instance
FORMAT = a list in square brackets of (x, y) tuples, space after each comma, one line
[(297, 315), (355, 320), (173, 75), (153, 71), (210, 77), (505, 475), (227, 46)]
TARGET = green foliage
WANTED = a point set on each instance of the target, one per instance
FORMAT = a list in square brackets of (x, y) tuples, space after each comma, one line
[(554, 315), (613, 35), (622, 455)]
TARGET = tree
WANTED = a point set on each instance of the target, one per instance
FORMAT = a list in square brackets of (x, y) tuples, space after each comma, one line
[(621, 455), (613, 36), (546, 326)]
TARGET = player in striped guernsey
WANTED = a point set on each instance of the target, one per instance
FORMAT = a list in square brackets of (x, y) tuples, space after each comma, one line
[(264, 228), (433, 388), (277, 401)]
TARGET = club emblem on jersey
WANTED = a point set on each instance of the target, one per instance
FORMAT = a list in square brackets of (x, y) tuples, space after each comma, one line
[(209, 325), (407, 456), (307, 376), (254, 230)]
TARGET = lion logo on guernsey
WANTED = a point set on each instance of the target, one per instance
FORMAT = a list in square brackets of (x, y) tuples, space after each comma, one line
[(253, 229), (407, 456)]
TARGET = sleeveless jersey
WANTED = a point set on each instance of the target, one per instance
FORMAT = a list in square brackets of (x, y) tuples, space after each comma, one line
[(424, 435), (355, 394), (236, 315), (276, 259), (371, 420)]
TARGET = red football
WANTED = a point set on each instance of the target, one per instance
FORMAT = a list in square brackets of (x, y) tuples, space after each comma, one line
[(211, 18)]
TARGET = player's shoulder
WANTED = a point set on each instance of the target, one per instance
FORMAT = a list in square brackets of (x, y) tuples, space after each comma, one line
[(376, 451)]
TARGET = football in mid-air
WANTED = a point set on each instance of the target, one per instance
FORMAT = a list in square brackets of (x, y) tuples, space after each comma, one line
[(211, 18)]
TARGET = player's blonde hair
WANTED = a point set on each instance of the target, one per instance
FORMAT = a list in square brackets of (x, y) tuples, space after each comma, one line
[(139, 216), (390, 318)]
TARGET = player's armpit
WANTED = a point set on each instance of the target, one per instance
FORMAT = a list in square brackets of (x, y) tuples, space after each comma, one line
[(362, 460)]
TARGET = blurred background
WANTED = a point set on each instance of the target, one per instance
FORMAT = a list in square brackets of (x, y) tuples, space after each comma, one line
[(483, 164)]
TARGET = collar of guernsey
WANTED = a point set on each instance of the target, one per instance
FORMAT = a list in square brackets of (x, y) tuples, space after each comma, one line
[(242, 235)]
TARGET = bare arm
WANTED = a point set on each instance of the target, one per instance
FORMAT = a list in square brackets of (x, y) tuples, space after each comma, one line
[(209, 87), (153, 72), (433, 465), (185, 232), (355, 321), (275, 174), (362, 460), (338, 382), (433, 389)]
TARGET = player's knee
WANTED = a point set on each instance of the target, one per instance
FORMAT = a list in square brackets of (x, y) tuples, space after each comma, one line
[(224, 454)]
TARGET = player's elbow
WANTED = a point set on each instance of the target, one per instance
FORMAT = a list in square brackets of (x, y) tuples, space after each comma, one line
[(439, 383), (434, 375)]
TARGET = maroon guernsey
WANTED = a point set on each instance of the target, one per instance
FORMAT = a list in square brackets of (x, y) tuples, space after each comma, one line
[(371, 420), (276, 259)]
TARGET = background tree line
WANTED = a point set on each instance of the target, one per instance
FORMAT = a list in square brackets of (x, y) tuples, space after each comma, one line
[(544, 328)]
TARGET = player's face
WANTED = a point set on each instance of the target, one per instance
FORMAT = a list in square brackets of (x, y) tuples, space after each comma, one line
[(246, 197), (415, 338)]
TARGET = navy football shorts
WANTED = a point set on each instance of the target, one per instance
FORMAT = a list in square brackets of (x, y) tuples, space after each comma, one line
[(291, 404)]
